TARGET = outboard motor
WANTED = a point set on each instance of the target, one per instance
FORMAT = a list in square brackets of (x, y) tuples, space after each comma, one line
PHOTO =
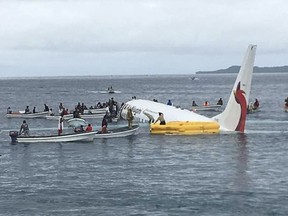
[(13, 135)]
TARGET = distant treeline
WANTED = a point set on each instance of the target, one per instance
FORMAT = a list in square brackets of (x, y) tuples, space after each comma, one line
[(235, 69)]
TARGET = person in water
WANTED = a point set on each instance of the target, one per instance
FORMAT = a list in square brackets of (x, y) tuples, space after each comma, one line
[(24, 129), (161, 119), (130, 117)]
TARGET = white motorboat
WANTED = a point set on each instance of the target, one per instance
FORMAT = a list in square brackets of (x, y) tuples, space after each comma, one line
[(84, 116), (27, 115), (83, 136), (94, 116), (86, 136), (56, 117), (206, 108), (249, 111), (118, 132), (110, 91), (95, 111)]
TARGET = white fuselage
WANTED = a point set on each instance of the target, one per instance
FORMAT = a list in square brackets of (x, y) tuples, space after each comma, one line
[(145, 111)]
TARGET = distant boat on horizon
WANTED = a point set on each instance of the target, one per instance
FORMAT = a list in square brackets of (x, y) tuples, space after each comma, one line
[(194, 78)]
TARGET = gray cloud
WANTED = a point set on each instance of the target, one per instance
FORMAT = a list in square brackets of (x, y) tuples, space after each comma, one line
[(132, 29)]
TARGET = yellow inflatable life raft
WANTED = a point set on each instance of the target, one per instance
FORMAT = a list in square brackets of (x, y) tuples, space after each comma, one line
[(185, 128)]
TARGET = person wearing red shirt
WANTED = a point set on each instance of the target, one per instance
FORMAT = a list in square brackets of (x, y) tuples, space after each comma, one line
[(89, 128)]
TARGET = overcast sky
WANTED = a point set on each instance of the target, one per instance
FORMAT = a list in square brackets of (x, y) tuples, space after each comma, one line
[(123, 37)]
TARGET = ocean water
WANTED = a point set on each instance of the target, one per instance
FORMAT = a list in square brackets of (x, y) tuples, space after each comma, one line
[(224, 174)]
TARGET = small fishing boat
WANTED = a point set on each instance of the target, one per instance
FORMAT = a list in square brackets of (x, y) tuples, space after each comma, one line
[(68, 117), (206, 108), (95, 111), (56, 117), (194, 78), (22, 114), (118, 132), (110, 90), (72, 137), (86, 136), (93, 116), (250, 111)]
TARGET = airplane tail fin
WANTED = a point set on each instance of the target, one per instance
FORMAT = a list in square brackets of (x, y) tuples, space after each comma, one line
[(233, 118)]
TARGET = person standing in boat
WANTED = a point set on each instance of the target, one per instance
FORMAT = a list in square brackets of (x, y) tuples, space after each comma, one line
[(130, 117), (161, 119), (104, 125), (60, 125), (24, 129), (61, 108)]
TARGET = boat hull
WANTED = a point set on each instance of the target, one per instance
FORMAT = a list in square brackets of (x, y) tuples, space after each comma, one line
[(56, 117), (110, 92), (118, 132), (95, 111), (88, 136), (83, 137), (250, 111), (27, 115), (93, 116), (206, 108), (84, 116)]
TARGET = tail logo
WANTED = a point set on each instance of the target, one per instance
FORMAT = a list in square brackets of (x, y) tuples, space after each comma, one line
[(241, 99)]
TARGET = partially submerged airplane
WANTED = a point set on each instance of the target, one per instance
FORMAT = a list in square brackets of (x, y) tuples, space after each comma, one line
[(183, 121)]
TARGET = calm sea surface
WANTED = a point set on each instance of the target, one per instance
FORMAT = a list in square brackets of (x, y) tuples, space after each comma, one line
[(227, 174)]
